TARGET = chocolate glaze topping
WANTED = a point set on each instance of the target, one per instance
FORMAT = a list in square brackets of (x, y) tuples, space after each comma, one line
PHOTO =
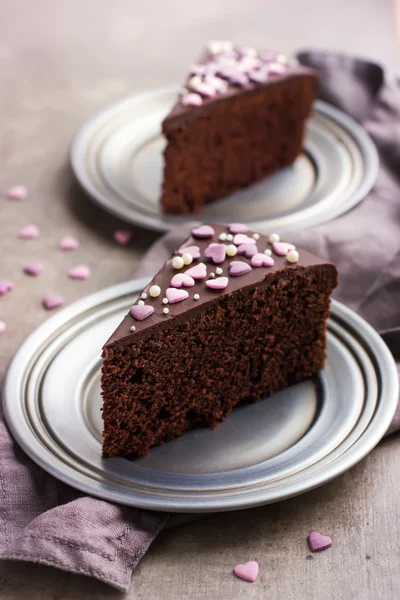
[(187, 308)]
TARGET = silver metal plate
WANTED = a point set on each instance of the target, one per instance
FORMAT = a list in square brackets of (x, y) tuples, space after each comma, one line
[(285, 445), (117, 157)]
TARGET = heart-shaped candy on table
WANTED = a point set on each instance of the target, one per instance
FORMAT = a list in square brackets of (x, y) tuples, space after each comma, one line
[(319, 542), (282, 248), (248, 250), (241, 238), (238, 267), (198, 271), (79, 272), (219, 283), (204, 232), (52, 301), (173, 295), (216, 252), (238, 228), (69, 243), (29, 232), (182, 280), (141, 311), (247, 571), (193, 250), (262, 260)]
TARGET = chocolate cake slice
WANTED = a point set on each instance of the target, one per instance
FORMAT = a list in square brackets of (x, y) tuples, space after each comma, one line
[(231, 318), (240, 117)]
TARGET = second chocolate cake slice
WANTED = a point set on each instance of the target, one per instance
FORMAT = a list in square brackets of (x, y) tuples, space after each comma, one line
[(231, 318)]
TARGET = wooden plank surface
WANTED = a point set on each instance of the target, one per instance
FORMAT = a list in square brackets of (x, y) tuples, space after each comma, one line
[(59, 63)]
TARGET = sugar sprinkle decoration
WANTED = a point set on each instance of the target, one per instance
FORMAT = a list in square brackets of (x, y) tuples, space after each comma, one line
[(141, 312), (34, 269), (52, 301), (165, 300), (196, 297), (187, 258), (247, 571), (69, 243), (231, 250), (155, 291), (292, 256), (182, 280), (141, 303), (241, 238), (79, 272), (203, 232), (229, 237), (238, 268), (220, 283), (219, 271), (318, 542), (177, 262), (143, 296), (132, 328), (122, 236), (193, 250), (5, 286), (268, 252), (3, 327), (17, 192), (248, 250), (238, 228), (199, 271), (191, 99), (29, 232), (256, 236), (222, 236), (262, 260), (165, 310), (217, 253), (176, 295), (273, 238), (282, 248)]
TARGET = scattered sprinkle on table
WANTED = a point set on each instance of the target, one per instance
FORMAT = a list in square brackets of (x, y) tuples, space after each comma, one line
[(17, 192), (34, 269), (29, 232), (79, 272), (52, 301), (318, 542), (3, 327), (123, 237), (5, 286), (69, 243), (247, 571)]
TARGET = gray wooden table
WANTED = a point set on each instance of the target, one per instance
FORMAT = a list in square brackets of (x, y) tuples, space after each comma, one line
[(61, 61)]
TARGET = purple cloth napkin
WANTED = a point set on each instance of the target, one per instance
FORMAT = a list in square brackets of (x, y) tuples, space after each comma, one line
[(44, 521)]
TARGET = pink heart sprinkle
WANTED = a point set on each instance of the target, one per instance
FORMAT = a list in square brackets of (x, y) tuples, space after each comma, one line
[(238, 267), (29, 232), (193, 250), (122, 237), (204, 231), (191, 100), (5, 286), (319, 542), (17, 192), (173, 295), (238, 228), (262, 260), (50, 302), (182, 280), (141, 311), (69, 243), (79, 272), (34, 269), (3, 327), (282, 248), (216, 252), (247, 571), (248, 250), (198, 271), (240, 239), (219, 283)]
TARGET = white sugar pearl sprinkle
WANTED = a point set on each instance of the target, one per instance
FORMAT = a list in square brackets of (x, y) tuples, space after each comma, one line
[(132, 328), (229, 237), (187, 258), (222, 237), (165, 300), (144, 295), (256, 236), (268, 252), (155, 291), (219, 271), (196, 297), (231, 250), (292, 256), (141, 303), (177, 262), (212, 275), (273, 238), (165, 310)]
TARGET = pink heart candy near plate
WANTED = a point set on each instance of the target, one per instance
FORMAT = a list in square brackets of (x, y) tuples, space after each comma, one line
[(247, 571)]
